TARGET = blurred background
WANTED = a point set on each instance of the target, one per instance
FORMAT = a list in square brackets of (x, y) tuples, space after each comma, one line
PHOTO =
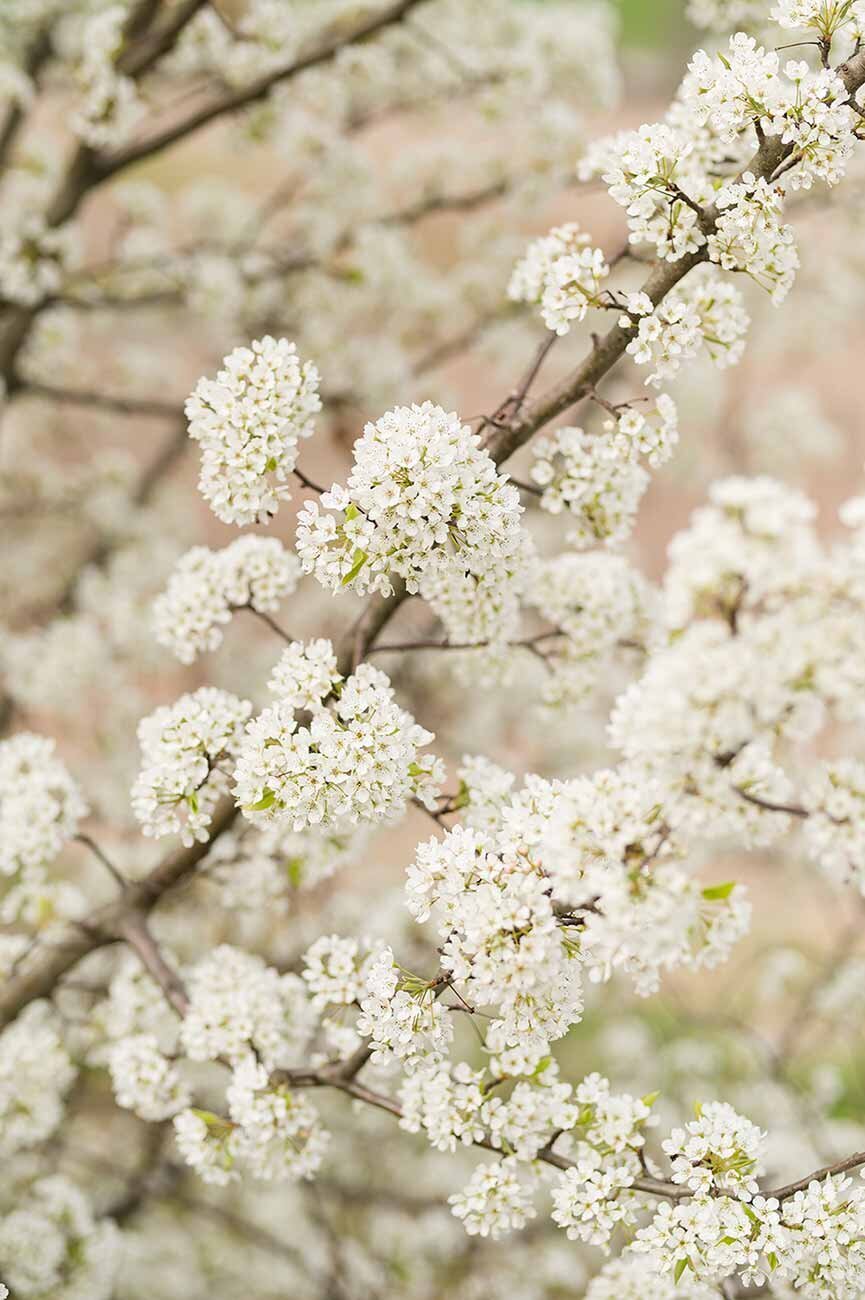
[(371, 211)]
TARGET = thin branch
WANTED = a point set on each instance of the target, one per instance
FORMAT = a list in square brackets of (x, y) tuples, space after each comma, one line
[(270, 622), (802, 1184), (118, 405), (325, 51), (135, 930), (102, 857), (792, 809)]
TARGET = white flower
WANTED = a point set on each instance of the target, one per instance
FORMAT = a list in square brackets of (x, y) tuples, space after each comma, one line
[(207, 586), (40, 804), (237, 1003), (357, 759), (33, 259), (305, 675), (496, 1200), (278, 1134), (35, 1073), (400, 1016), (563, 274), (720, 1150), (423, 502), (52, 1244), (588, 1201), (144, 1080), (249, 421), (586, 476), (183, 748)]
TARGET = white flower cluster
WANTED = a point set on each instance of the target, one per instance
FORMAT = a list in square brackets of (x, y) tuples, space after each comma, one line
[(33, 259), (646, 922), (590, 1197), (497, 1199), (705, 313), (240, 1006), (645, 428), (111, 106), (52, 1245), (401, 1016), (635, 1277), (598, 602), (748, 235), (607, 850), (35, 1074), (826, 17), (585, 476), (249, 420), (305, 674), (651, 173), (246, 1015), (40, 804), (357, 758), (563, 274), (423, 502), (812, 1240), (144, 1080), (445, 1102), (501, 939), (835, 830), (335, 971), (808, 110), (184, 749), (719, 1151), (207, 586)]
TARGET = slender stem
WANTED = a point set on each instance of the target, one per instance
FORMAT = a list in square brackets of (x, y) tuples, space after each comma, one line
[(271, 623), (102, 857), (792, 809)]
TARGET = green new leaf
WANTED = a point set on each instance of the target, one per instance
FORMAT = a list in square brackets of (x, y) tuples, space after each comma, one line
[(681, 1265), (360, 559), (267, 800), (717, 892)]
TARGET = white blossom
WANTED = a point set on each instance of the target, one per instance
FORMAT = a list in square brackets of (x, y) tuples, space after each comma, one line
[(184, 747), (207, 586), (249, 420), (40, 805)]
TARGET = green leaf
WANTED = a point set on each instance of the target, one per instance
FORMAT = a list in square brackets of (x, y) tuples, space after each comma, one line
[(681, 1265), (192, 800), (698, 1109), (716, 892), (267, 800), (773, 1260), (294, 871), (650, 1098), (351, 512), (360, 559)]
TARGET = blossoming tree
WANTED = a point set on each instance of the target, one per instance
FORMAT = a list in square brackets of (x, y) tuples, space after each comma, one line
[(314, 1083)]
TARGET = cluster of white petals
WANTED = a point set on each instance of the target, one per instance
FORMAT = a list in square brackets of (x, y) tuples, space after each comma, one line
[(356, 759), (40, 805), (53, 1245), (185, 747), (249, 421), (424, 502), (207, 586), (35, 1073), (561, 273), (706, 314)]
